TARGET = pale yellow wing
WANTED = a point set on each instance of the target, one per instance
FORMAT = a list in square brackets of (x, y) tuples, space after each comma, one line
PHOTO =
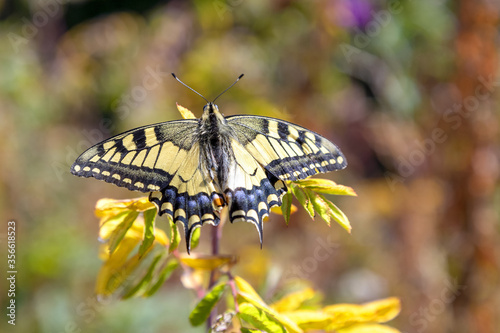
[(288, 151)]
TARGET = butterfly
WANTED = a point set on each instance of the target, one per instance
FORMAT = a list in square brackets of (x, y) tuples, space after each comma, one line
[(195, 167)]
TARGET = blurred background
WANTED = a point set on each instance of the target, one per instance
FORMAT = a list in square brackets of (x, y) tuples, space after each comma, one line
[(407, 89)]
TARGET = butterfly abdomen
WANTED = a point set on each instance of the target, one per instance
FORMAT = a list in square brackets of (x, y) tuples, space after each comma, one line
[(215, 147)]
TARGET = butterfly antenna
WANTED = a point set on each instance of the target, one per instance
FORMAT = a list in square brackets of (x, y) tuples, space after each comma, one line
[(185, 85), (239, 77)]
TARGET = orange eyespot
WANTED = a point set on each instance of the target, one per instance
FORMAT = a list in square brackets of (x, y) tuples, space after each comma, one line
[(218, 202)]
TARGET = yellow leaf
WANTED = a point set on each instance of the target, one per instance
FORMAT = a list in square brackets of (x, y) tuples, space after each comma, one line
[(294, 300), (136, 231), (345, 315), (111, 207), (123, 229), (116, 270), (368, 328), (185, 113), (277, 210), (121, 252), (207, 262), (245, 287), (325, 186), (112, 222), (309, 319)]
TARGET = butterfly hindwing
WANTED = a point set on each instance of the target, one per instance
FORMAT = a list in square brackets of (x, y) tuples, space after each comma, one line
[(144, 159), (191, 197), (250, 190), (286, 150)]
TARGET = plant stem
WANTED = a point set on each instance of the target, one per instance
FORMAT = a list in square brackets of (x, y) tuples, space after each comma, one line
[(216, 236), (234, 292)]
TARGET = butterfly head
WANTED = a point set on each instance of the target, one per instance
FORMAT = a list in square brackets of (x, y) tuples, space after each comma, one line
[(211, 113), (210, 108)]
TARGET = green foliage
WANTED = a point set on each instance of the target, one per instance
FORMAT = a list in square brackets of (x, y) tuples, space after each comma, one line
[(175, 236), (286, 206), (149, 233), (260, 318), (202, 310), (195, 239), (308, 191), (126, 221), (163, 275)]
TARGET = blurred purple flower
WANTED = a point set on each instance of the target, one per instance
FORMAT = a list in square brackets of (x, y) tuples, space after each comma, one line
[(353, 13)]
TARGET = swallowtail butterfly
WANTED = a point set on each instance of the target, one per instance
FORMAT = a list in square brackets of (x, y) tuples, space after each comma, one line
[(195, 167)]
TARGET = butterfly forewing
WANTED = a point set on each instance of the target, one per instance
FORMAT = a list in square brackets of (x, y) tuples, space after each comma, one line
[(144, 159), (286, 150)]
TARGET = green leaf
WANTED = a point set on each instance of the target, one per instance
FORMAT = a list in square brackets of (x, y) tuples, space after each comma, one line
[(164, 274), (320, 206), (149, 231), (303, 198), (249, 330), (121, 230), (195, 240), (145, 280), (286, 206), (260, 318), (337, 214), (202, 310), (175, 236)]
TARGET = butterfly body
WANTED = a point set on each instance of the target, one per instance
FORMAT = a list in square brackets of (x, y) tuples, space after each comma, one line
[(214, 137), (193, 168)]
